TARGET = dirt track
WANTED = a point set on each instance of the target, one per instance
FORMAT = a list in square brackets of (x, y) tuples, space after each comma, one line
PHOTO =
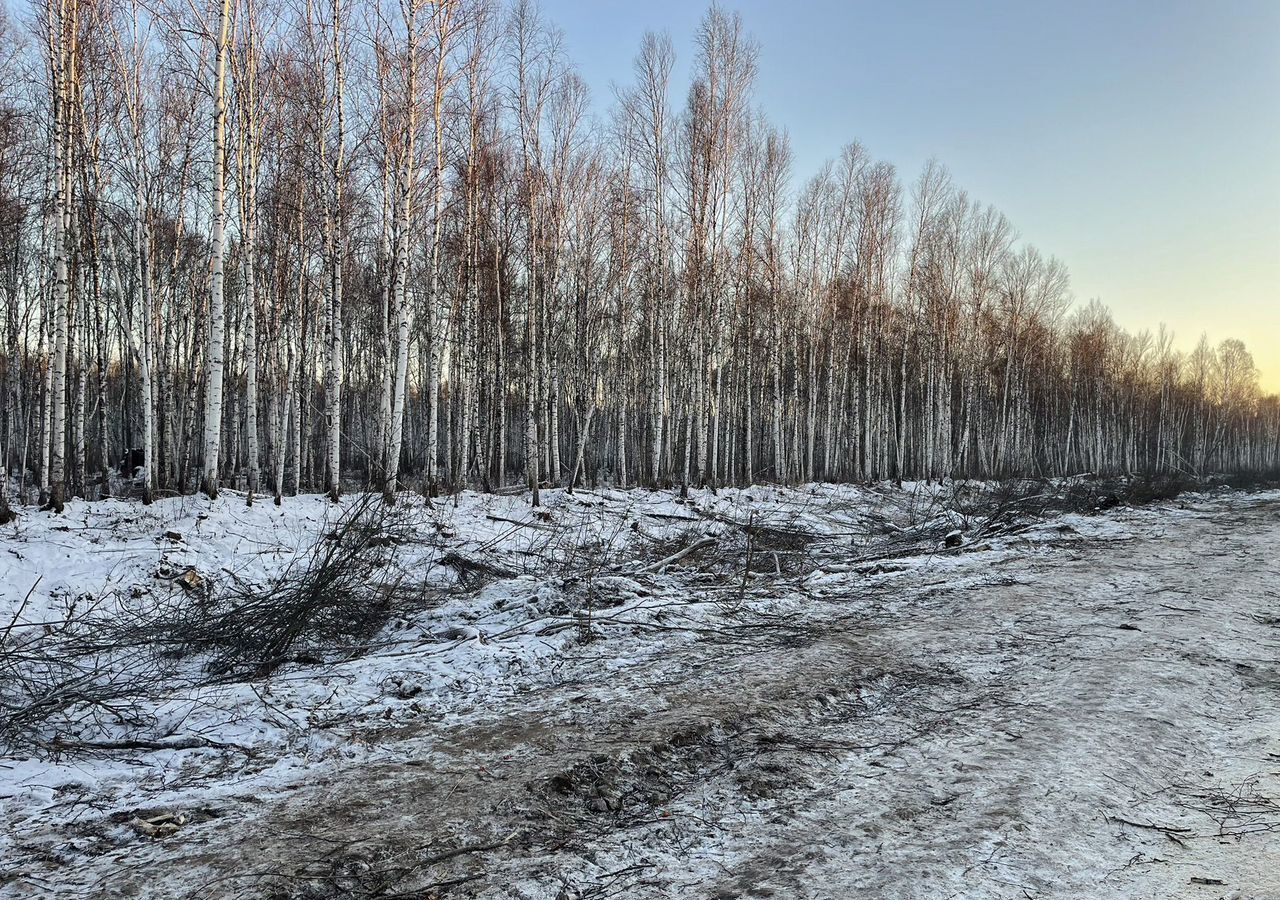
[(1075, 718)]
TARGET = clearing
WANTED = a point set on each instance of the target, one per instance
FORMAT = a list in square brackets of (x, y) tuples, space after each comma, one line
[(821, 700)]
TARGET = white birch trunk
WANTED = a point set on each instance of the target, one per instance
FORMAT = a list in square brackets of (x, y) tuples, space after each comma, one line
[(217, 311)]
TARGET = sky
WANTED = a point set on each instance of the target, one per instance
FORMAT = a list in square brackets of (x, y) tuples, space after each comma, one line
[(1137, 141)]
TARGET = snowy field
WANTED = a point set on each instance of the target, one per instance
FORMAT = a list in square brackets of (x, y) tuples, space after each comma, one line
[(816, 692)]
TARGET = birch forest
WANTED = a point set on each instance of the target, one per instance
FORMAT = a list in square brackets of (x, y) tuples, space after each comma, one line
[(286, 246)]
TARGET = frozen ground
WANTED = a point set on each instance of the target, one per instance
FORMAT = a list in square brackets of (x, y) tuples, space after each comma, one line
[(1085, 706)]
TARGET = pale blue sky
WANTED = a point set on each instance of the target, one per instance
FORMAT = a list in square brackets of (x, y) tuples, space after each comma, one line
[(1138, 141)]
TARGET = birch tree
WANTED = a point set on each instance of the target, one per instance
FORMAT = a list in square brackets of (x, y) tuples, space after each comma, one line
[(217, 310), (408, 253)]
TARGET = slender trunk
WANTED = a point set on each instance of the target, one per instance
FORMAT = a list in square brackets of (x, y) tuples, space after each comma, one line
[(217, 310), (336, 242), (400, 388), (63, 62)]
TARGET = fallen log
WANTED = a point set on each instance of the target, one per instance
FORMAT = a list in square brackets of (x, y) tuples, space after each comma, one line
[(656, 568)]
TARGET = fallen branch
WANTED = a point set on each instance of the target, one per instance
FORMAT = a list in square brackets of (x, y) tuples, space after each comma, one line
[(142, 744), (538, 525), (19, 611), (1167, 829), (467, 565), (465, 850), (656, 568)]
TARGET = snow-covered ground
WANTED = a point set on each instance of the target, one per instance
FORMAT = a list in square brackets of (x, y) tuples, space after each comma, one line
[(1086, 706)]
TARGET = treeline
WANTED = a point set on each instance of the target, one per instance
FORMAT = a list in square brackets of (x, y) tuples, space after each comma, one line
[(287, 246)]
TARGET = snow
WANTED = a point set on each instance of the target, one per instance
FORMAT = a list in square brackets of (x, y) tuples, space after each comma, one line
[(782, 712)]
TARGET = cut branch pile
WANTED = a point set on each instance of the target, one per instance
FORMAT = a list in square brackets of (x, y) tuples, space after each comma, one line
[(336, 597)]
